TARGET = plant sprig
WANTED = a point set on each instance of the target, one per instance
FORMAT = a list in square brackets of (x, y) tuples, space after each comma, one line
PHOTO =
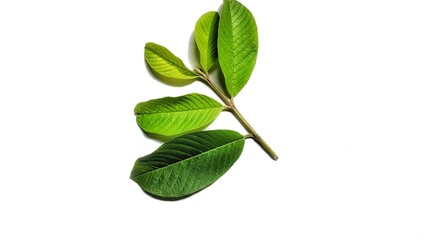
[(194, 159)]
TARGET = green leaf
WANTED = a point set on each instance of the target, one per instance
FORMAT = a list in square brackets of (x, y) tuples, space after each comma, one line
[(188, 163), (237, 45), (175, 115), (166, 63), (206, 39)]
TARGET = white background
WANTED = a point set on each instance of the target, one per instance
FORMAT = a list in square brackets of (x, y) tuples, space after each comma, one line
[(338, 92)]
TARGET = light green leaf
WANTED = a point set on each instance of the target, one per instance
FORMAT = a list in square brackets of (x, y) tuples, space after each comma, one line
[(237, 45), (188, 163), (175, 115), (206, 39), (166, 63)]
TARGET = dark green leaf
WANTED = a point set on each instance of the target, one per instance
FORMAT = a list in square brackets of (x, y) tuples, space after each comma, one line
[(188, 163)]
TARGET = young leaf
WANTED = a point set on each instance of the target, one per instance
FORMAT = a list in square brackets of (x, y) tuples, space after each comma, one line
[(237, 45), (188, 163), (206, 39), (175, 115), (166, 63)]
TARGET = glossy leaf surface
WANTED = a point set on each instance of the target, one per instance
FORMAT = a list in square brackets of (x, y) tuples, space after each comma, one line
[(188, 163), (237, 45), (166, 63), (206, 39), (175, 115)]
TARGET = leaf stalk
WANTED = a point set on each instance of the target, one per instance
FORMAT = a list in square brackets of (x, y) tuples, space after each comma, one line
[(231, 106), (255, 135)]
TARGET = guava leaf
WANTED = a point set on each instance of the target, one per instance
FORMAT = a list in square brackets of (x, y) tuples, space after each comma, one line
[(170, 116), (206, 39), (187, 164), (166, 63), (237, 45)]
